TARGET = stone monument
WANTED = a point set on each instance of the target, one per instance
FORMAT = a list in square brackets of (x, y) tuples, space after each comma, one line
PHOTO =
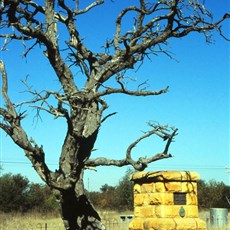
[(166, 200)]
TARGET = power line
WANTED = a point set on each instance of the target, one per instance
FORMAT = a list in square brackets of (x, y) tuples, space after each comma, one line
[(22, 162), (152, 167), (191, 166)]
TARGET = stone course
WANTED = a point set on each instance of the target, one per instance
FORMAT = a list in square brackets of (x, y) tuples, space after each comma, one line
[(166, 200)]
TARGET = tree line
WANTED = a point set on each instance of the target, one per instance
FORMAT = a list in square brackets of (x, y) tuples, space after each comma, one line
[(18, 194), (213, 194)]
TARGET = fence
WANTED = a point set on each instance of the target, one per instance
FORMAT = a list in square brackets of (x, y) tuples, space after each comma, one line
[(118, 224), (110, 224), (39, 226)]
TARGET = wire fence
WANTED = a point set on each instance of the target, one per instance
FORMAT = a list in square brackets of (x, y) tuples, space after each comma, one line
[(110, 224), (115, 224), (39, 226)]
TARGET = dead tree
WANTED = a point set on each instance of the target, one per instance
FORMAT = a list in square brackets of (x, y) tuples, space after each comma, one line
[(36, 25)]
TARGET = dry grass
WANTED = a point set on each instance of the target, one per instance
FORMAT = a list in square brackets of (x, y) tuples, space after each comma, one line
[(37, 221), (16, 221)]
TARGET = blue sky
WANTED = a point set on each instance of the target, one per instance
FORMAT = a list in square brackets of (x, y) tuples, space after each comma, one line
[(197, 104)]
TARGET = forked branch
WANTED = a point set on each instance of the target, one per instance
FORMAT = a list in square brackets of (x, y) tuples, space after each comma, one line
[(164, 132), (11, 125)]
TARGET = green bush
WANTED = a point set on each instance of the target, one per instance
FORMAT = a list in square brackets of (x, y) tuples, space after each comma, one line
[(17, 194), (124, 193), (118, 198), (13, 193)]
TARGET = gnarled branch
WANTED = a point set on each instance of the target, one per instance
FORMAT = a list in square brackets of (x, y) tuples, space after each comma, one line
[(13, 128), (140, 164)]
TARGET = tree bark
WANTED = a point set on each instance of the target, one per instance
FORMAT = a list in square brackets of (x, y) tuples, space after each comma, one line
[(76, 210)]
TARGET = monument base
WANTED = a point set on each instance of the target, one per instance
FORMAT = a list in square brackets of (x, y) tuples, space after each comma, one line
[(166, 200)]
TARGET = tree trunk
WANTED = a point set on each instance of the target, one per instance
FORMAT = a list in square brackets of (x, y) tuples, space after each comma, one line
[(77, 211)]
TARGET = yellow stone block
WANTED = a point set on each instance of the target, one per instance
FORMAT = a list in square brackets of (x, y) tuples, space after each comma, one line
[(201, 225), (185, 224), (141, 199), (147, 188), (153, 199), (144, 211), (164, 211), (191, 199), (160, 187), (169, 175), (159, 224), (138, 175), (192, 211), (173, 186), (137, 188), (189, 176), (166, 175), (189, 187), (156, 199), (136, 224), (168, 198)]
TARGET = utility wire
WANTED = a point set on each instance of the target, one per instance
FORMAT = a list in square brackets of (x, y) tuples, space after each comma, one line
[(22, 162), (152, 167)]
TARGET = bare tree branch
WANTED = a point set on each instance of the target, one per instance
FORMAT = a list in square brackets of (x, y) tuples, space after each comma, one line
[(141, 163), (13, 128), (42, 98), (89, 7), (132, 93), (109, 115)]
